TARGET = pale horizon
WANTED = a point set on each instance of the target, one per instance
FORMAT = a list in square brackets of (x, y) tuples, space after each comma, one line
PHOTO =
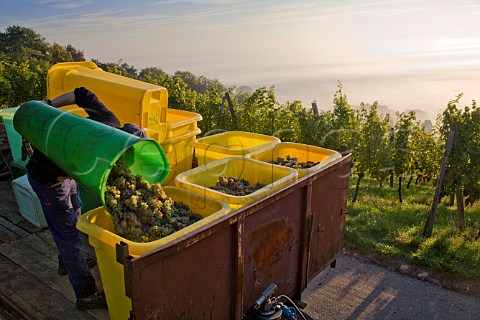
[(404, 54)]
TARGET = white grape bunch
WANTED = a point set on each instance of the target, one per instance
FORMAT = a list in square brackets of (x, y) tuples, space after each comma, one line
[(235, 186), (141, 211)]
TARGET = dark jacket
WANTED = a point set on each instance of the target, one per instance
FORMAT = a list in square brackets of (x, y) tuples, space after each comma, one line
[(44, 170)]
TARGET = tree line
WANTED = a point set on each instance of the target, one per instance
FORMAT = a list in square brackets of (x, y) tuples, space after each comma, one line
[(387, 148)]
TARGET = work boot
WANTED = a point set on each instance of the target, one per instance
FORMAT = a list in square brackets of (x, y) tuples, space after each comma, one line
[(91, 262), (95, 301)]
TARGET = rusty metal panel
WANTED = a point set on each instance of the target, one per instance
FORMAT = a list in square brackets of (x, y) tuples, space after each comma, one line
[(193, 283), (273, 246), (328, 205)]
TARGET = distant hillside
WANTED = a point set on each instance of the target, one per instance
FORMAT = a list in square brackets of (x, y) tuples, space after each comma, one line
[(420, 114)]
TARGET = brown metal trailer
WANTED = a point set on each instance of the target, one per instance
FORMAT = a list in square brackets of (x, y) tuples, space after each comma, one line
[(218, 271)]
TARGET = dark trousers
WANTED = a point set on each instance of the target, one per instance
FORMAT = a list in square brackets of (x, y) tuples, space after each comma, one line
[(62, 207)]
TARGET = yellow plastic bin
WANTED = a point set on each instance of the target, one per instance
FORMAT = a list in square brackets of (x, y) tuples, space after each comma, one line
[(179, 123), (131, 100), (230, 143), (98, 225), (179, 153), (303, 152), (200, 179), (182, 130)]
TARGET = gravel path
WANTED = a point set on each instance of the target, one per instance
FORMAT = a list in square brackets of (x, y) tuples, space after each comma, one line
[(360, 290)]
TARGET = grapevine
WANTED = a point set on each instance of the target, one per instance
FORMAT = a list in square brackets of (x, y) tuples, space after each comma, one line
[(235, 186), (292, 162), (141, 211)]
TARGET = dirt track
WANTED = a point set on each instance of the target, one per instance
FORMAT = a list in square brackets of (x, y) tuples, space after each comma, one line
[(356, 289)]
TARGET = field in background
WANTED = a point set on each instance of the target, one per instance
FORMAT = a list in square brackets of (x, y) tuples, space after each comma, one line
[(379, 226)]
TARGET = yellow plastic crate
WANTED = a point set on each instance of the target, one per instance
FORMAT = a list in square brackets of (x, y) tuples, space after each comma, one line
[(181, 122), (182, 130), (303, 152), (200, 179), (98, 225), (131, 100), (230, 143), (179, 153)]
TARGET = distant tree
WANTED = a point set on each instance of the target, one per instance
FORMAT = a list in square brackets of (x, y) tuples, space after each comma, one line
[(19, 44), (119, 67), (77, 55), (25, 58), (199, 84), (192, 81), (59, 54), (151, 74), (24, 64)]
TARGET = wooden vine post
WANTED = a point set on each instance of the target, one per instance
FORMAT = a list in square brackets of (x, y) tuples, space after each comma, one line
[(230, 106), (427, 231), (226, 98), (315, 108)]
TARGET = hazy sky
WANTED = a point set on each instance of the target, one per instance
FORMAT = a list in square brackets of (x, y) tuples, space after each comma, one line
[(405, 54)]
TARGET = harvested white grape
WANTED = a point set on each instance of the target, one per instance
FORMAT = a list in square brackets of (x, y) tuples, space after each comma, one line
[(235, 186), (141, 211)]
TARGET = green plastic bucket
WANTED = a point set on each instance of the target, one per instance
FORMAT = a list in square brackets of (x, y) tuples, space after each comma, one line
[(85, 149)]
